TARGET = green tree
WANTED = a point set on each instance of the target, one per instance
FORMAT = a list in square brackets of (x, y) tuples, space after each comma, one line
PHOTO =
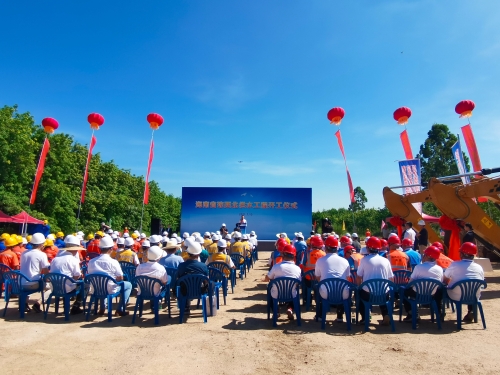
[(359, 200), (435, 154)]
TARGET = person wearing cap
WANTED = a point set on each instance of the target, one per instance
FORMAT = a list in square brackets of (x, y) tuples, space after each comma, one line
[(7, 256), (443, 261), (355, 242), (247, 246), (119, 246), (212, 247), (136, 247), (153, 269), (114, 237), (223, 230), (427, 270), (93, 248), (192, 266), (104, 264), (286, 268), (422, 236), (11, 244), (59, 242), (331, 266), (33, 265), (67, 263), (371, 267), (204, 253), (143, 252), (311, 258), (207, 240), (220, 256), (171, 260), (301, 247), (398, 259), (238, 247), (344, 241), (348, 251), (127, 254), (414, 256), (460, 270), (50, 250)]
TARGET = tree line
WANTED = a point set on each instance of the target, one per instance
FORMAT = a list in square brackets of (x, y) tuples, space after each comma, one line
[(113, 195)]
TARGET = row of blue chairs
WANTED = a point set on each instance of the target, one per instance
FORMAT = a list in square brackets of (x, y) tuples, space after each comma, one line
[(382, 292)]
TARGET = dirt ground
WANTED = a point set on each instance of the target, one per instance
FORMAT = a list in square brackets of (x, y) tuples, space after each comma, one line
[(240, 340)]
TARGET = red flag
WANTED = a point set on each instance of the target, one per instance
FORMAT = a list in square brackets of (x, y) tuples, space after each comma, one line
[(146, 187), (86, 175), (39, 169), (471, 147), (405, 141), (349, 181)]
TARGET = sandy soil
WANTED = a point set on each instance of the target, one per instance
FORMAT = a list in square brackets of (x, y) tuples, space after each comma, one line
[(241, 340)]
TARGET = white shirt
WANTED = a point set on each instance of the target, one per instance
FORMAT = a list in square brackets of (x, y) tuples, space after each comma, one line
[(410, 233), (427, 270), (253, 241), (332, 266), (68, 265), (461, 270), (105, 265), (284, 269), (373, 266), (153, 270), (32, 263)]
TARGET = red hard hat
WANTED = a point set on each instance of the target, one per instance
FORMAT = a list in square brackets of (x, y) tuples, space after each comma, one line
[(289, 249), (468, 248), (316, 241), (408, 242), (345, 239), (374, 243), (433, 252), (383, 243), (439, 245), (394, 240), (281, 244), (332, 241), (349, 248)]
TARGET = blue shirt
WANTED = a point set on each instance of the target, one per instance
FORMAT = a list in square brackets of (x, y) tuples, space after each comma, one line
[(415, 257), (171, 261), (190, 267), (2, 246), (341, 252), (59, 243)]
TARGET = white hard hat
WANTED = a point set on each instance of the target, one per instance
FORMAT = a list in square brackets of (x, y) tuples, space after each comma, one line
[(143, 235), (185, 235), (194, 248), (228, 236), (37, 239), (206, 234), (106, 242), (125, 235), (110, 231), (237, 235), (164, 239), (165, 233), (215, 237), (114, 236), (355, 235), (80, 233), (179, 240), (421, 222), (155, 238), (51, 237), (252, 233), (217, 232), (136, 231), (222, 243), (72, 243), (244, 237), (145, 243), (348, 235), (25, 241), (121, 241), (129, 242), (223, 224), (199, 239), (298, 235), (174, 235), (154, 253)]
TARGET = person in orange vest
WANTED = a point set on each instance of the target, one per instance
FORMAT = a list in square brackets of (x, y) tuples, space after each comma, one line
[(8, 257), (312, 257), (443, 261), (136, 247), (12, 243), (50, 250), (398, 259), (93, 249), (276, 257)]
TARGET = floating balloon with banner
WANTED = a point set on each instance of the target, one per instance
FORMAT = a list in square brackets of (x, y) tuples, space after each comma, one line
[(465, 108), (155, 120), (335, 115), (402, 115), (95, 120), (49, 125)]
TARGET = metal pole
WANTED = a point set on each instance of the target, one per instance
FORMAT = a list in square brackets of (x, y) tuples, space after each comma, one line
[(142, 212)]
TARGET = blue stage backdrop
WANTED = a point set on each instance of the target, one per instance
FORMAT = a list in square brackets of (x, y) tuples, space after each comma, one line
[(267, 210)]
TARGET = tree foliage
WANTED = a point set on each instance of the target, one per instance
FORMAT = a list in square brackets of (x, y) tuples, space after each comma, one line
[(113, 194), (359, 200)]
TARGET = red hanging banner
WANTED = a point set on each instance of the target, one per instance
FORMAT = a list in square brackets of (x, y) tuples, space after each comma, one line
[(405, 141), (39, 169), (86, 175), (471, 147), (146, 187), (349, 181)]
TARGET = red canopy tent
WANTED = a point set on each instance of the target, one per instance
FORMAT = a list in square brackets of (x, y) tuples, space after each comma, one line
[(24, 218), (4, 218)]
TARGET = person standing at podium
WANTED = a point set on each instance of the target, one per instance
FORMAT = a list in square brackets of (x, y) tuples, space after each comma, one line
[(243, 224)]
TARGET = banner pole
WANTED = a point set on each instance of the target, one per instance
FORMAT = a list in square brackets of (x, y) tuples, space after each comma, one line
[(83, 182), (146, 182)]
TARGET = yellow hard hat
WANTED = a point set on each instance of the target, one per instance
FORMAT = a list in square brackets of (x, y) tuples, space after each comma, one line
[(49, 242), (5, 235), (90, 236), (45, 222), (11, 241), (99, 233), (134, 235), (28, 238), (59, 234), (19, 238)]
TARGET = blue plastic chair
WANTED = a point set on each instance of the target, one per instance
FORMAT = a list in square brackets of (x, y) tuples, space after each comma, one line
[(13, 286), (401, 278), (220, 282), (58, 282), (249, 260), (469, 289), (424, 288), (193, 284), (147, 285), (172, 272), (237, 258), (100, 285), (307, 291), (378, 289), (225, 269), (335, 288), (3, 269), (125, 264), (285, 286), (255, 255), (129, 273)]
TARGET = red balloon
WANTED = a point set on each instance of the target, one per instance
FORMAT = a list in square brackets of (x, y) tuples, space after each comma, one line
[(401, 115), (95, 120), (49, 125), (155, 120), (335, 115), (465, 108)]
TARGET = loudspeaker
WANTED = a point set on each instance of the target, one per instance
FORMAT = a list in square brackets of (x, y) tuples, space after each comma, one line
[(155, 225)]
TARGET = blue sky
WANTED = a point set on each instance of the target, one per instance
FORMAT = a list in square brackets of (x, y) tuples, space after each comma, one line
[(253, 81)]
